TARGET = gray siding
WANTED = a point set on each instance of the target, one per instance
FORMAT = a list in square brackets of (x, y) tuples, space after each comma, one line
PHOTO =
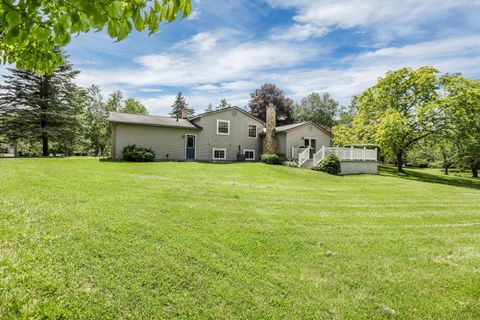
[(282, 143), (295, 135), (209, 139), (162, 140)]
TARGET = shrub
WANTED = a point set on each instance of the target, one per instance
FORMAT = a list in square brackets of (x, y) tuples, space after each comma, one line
[(269, 158), (290, 163), (331, 164), (137, 154)]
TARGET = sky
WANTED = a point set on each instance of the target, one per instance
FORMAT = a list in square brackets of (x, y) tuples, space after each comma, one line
[(228, 48)]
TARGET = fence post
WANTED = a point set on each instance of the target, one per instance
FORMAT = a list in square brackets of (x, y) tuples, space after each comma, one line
[(323, 152), (351, 152), (376, 154), (364, 153)]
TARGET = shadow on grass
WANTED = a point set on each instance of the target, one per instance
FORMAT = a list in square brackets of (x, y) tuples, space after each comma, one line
[(418, 175)]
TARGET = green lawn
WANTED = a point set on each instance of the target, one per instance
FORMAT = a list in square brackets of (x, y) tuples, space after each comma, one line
[(80, 238)]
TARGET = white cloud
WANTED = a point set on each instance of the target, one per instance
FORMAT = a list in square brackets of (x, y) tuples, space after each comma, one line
[(299, 32), (386, 19), (230, 63)]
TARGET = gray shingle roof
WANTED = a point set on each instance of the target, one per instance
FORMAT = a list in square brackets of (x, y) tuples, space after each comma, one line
[(120, 117), (294, 125), (289, 126)]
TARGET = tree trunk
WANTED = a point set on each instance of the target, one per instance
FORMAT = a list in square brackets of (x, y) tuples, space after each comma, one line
[(400, 161), (446, 170), (475, 171), (45, 152)]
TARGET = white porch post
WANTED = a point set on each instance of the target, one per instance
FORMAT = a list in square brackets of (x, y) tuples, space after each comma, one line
[(351, 152), (364, 153)]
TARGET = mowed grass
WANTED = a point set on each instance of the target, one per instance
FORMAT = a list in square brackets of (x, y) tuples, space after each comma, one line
[(85, 239)]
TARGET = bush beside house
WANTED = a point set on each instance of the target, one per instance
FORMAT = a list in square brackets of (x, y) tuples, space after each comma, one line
[(331, 164), (270, 158), (136, 154)]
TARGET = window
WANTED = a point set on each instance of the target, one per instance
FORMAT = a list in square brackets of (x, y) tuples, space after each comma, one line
[(219, 154), (249, 154), (252, 130), (223, 127)]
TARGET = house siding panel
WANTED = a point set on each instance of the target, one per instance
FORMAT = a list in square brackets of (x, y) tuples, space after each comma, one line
[(294, 137), (209, 139), (162, 140)]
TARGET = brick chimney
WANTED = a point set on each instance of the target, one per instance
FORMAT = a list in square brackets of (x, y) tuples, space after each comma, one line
[(270, 143), (184, 113)]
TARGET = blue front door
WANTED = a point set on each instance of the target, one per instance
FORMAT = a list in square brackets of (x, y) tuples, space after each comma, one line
[(190, 147)]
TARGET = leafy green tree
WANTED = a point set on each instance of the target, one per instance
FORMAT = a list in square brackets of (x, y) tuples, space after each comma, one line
[(462, 104), (178, 105), (347, 114), (269, 93), (318, 108), (41, 107), (115, 101), (344, 135), (31, 29), (400, 110), (134, 106), (96, 121)]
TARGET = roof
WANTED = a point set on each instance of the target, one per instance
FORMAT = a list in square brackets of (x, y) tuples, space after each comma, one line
[(225, 109), (288, 127), (120, 117)]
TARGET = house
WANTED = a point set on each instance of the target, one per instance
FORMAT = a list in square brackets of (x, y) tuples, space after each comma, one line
[(229, 134)]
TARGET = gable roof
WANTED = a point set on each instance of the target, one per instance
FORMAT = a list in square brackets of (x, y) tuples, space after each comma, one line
[(226, 109), (128, 118), (296, 125)]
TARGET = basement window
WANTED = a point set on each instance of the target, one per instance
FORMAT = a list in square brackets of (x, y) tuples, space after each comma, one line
[(219, 154), (223, 127), (249, 154)]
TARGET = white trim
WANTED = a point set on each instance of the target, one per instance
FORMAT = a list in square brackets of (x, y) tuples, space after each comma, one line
[(250, 150), (221, 133), (256, 130), (185, 145), (219, 149)]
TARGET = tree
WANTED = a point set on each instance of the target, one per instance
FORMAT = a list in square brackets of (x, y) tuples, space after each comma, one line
[(134, 106), (96, 121), (209, 108), (318, 108), (269, 93), (347, 114), (177, 106), (30, 30), (400, 110), (223, 104), (462, 104), (343, 135), (45, 107)]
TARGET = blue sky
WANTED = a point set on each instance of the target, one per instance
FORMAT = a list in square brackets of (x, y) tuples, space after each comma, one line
[(228, 48)]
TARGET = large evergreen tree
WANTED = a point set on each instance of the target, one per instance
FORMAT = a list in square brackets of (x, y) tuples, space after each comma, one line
[(41, 108), (269, 93), (179, 104)]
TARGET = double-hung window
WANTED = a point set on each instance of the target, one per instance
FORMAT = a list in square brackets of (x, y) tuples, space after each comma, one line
[(223, 127), (252, 130)]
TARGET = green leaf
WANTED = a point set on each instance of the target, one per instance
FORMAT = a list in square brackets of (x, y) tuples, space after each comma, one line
[(13, 18)]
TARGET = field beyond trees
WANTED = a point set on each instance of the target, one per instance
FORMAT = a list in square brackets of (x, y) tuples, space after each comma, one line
[(85, 239)]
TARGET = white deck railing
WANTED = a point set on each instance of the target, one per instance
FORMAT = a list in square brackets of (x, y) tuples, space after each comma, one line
[(303, 156), (357, 154)]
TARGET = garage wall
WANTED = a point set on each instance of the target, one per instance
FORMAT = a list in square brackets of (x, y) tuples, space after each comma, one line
[(163, 141)]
